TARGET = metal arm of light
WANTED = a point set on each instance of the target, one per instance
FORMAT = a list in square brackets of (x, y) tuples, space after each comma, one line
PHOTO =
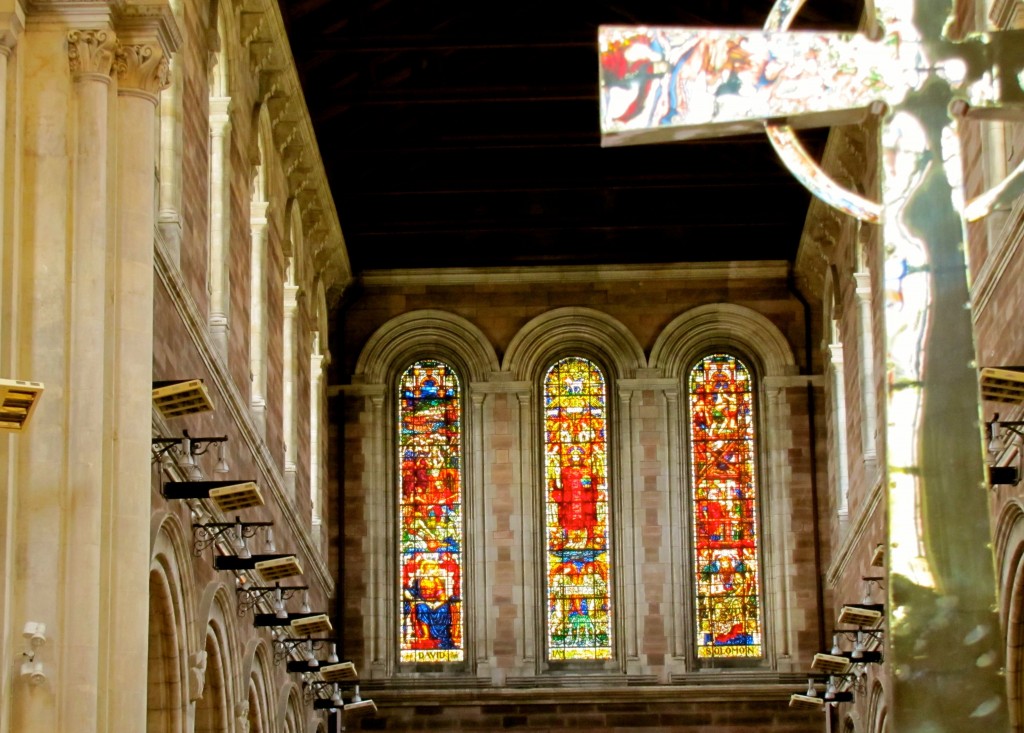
[(249, 597), (284, 646), (235, 533)]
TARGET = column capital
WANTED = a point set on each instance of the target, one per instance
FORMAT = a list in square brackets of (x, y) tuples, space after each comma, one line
[(12, 23), (141, 69), (91, 53)]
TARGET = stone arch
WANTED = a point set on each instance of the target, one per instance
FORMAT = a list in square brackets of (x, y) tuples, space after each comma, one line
[(877, 710), (1009, 547), (708, 327), (289, 709), (764, 350), (418, 333), (576, 330), (255, 705), (169, 607), (216, 703)]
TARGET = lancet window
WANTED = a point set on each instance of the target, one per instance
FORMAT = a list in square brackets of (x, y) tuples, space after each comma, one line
[(430, 514), (579, 621), (724, 505)]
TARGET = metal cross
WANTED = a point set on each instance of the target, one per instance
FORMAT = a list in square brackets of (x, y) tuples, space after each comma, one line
[(661, 84)]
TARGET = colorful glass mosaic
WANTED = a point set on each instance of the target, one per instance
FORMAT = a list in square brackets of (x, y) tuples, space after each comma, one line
[(430, 457), (724, 509), (576, 472)]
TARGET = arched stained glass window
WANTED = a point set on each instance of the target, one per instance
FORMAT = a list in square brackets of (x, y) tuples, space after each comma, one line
[(724, 509), (576, 473), (430, 457)]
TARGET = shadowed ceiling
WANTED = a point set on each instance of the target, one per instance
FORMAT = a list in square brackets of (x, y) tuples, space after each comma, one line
[(461, 134)]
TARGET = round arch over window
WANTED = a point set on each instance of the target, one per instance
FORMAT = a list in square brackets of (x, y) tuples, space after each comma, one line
[(430, 513), (724, 506), (576, 513)]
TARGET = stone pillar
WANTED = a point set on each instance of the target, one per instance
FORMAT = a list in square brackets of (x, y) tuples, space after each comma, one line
[(142, 72), (90, 54), (317, 364), (258, 316), (291, 448), (220, 218), (11, 24)]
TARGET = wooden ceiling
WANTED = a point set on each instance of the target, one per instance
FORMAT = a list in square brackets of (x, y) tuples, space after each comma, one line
[(460, 134)]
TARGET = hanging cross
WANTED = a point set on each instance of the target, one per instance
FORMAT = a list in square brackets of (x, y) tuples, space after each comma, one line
[(661, 84)]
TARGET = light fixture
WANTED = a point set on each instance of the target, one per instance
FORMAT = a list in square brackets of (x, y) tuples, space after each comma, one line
[(336, 697), (861, 614), (831, 663), (222, 463), (311, 659), (304, 647), (836, 649), (305, 608), (234, 533), (340, 672), (806, 702), (250, 595), (174, 398), (271, 547), (332, 658), (998, 435), (359, 707), (278, 568), (229, 496), (280, 611), (1002, 384), (308, 625), (32, 668), (18, 400)]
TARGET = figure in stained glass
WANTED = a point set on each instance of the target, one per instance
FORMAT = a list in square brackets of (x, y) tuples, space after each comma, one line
[(579, 603), (724, 518), (430, 514)]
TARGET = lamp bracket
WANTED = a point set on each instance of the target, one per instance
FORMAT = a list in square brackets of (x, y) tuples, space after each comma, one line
[(310, 688), (250, 596), (283, 647), (205, 535), (195, 446)]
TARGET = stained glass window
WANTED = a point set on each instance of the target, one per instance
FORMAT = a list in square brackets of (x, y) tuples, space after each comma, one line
[(576, 472), (724, 509), (430, 457)]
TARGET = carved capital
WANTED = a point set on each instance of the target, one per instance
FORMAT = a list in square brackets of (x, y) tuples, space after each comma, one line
[(91, 52), (142, 68)]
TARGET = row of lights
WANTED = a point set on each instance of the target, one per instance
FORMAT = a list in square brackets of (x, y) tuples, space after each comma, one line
[(293, 633), (841, 671)]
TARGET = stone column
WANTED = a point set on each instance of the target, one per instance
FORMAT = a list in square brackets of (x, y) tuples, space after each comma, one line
[(220, 218), (258, 317), (10, 263), (291, 449), (142, 72), (91, 54)]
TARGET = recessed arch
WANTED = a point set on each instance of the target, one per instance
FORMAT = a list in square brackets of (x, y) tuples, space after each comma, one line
[(717, 325), (418, 333), (573, 330)]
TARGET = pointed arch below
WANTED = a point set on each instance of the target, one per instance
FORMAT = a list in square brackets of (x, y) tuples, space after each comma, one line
[(418, 333), (573, 330), (723, 325)]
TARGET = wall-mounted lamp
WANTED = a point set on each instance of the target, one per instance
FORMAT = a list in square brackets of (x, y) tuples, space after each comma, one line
[(999, 434), (177, 397), (250, 595), (187, 448), (229, 496), (318, 623), (32, 668), (305, 647), (235, 533), (18, 400)]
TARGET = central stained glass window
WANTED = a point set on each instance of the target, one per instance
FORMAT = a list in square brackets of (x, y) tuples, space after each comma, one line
[(724, 509), (430, 457), (576, 479)]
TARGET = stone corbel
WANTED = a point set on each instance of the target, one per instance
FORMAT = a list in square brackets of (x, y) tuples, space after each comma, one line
[(270, 85), (251, 25), (141, 69), (91, 53)]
